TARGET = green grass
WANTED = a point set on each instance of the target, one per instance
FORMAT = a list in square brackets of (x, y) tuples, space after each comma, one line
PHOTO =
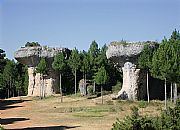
[(89, 114)]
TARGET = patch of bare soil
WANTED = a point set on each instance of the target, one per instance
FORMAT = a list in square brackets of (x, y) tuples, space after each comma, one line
[(76, 113)]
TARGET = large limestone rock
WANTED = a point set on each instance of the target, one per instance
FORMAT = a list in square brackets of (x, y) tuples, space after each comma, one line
[(124, 56), (31, 56)]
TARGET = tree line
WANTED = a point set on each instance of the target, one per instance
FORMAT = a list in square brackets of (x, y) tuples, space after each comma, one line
[(13, 77), (163, 62), (91, 65)]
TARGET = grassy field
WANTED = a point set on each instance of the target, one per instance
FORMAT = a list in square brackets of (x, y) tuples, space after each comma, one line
[(76, 113)]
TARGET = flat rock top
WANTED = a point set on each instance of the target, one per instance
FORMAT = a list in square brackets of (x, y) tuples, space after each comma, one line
[(40, 51), (125, 49), (31, 55), (121, 52)]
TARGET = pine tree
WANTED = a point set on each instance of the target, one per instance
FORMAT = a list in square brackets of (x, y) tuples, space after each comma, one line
[(42, 69), (8, 77), (74, 63), (2, 60), (166, 61), (59, 64), (145, 62), (93, 53), (85, 66), (101, 78)]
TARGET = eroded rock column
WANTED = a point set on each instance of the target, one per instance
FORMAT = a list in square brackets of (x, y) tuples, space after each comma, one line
[(125, 56), (133, 83), (31, 56)]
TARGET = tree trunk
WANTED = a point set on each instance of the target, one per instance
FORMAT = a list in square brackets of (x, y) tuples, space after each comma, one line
[(43, 87), (102, 93), (94, 87), (33, 82), (75, 82), (165, 95), (40, 87), (8, 90), (148, 86), (85, 84), (61, 88), (175, 93), (18, 92), (171, 92)]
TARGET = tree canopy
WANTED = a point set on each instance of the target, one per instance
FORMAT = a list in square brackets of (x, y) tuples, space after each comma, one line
[(32, 44), (42, 67), (166, 60)]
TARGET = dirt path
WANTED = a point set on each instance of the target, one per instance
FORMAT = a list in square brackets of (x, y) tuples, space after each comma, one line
[(24, 113), (75, 113)]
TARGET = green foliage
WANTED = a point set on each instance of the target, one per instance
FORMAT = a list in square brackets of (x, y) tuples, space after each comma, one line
[(12, 79), (1, 128), (93, 52), (32, 44), (117, 87), (59, 62), (85, 64), (42, 67), (101, 76), (142, 104), (168, 120), (2, 60), (74, 60), (122, 42), (134, 122), (145, 59), (166, 60)]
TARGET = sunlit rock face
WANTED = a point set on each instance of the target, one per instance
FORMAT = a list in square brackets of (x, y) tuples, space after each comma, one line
[(125, 57), (31, 56)]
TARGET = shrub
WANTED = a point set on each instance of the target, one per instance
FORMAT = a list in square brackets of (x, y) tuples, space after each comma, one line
[(117, 87), (134, 122), (90, 90), (169, 120), (1, 127)]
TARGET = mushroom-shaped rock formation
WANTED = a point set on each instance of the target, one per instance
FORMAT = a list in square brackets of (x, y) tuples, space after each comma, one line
[(31, 56), (125, 55)]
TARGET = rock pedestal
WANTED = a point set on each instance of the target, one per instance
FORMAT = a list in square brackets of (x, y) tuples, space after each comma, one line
[(35, 83), (31, 56), (133, 83), (125, 57)]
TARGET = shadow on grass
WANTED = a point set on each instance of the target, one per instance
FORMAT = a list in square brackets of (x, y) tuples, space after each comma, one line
[(50, 128), (6, 121), (4, 104), (9, 107)]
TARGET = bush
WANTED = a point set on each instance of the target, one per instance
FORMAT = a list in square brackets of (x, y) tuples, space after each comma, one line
[(169, 120), (117, 87), (32, 44), (1, 127), (134, 122), (90, 90)]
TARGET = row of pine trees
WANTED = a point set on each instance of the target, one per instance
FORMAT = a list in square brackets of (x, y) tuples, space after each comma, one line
[(91, 65), (163, 62)]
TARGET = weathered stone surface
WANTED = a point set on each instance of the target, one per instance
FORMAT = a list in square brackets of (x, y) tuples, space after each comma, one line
[(82, 87), (134, 80), (133, 83), (31, 56), (35, 83)]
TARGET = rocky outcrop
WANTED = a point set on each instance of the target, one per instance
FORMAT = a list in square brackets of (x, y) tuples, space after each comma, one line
[(31, 56), (125, 56)]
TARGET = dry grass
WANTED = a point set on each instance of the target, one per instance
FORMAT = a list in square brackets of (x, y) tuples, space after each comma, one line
[(85, 113)]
